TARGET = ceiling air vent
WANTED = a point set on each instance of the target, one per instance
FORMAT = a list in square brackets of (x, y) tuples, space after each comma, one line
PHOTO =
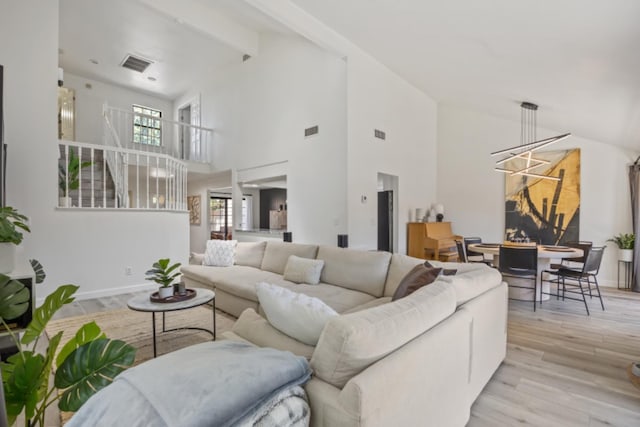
[(136, 64)]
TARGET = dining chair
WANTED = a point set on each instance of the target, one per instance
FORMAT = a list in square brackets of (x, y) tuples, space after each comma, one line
[(475, 256), (462, 252), (578, 262), (574, 279), (521, 263)]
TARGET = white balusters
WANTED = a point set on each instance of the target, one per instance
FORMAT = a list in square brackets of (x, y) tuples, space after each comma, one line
[(184, 140), (160, 176)]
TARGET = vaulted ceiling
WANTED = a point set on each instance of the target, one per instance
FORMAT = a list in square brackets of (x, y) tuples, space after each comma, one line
[(579, 60)]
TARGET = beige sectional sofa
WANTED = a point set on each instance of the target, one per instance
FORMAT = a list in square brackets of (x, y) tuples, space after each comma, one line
[(420, 360)]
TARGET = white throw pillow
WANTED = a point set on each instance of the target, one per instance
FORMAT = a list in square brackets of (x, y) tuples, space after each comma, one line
[(220, 253), (300, 316), (303, 270)]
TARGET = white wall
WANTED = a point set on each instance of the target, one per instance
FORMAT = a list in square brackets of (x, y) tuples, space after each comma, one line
[(89, 104), (259, 110), (473, 194), (379, 99), (90, 249)]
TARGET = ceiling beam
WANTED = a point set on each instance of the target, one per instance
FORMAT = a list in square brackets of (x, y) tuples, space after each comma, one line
[(210, 22), (298, 20)]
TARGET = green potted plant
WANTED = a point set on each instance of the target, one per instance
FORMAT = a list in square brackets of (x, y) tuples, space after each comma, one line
[(86, 363), (625, 242), (69, 177), (11, 222), (163, 274)]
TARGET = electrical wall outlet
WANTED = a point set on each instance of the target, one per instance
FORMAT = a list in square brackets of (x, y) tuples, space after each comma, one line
[(128, 271)]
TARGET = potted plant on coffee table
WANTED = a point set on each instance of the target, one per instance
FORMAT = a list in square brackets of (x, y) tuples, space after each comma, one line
[(69, 177), (11, 222), (625, 242), (163, 274)]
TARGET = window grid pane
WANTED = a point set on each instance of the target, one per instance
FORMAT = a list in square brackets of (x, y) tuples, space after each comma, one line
[(145, 129)]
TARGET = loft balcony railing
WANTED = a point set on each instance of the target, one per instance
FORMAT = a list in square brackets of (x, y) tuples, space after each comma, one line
[(142, 132), (98, 176)]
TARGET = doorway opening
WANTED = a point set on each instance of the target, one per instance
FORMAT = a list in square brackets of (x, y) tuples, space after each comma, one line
[(221, 215), (387, 212), (189, 136), (184, 132)]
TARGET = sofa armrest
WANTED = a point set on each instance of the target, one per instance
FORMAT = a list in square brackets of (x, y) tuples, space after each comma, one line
[(326, 409), (428, 377), (257, 330), (231, 336)]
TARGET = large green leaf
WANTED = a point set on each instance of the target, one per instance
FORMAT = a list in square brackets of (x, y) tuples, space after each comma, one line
[(10, 221), (90, 368), (87, 333), (14, 298), (42, 315), (46, 370), (23, 382), (38, 269)]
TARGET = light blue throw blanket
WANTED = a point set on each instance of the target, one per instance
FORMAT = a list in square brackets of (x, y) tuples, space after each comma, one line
[(209, 384)]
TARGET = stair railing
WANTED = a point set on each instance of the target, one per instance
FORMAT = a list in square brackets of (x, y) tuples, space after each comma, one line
[(184, 141), (116, 161), (152, 181)]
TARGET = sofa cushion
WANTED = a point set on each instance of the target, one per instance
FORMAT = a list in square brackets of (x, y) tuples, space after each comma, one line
[(352, 342), (363, 271), (276, 255), (303, 270), (250, 253), (295, 314), (237, 280), (471, 279), (220, 253), (256, 329), (373, 303), (398, 268), (419, 276), (340, 299)]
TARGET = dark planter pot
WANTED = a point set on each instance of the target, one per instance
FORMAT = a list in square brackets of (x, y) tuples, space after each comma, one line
[(180, 288)]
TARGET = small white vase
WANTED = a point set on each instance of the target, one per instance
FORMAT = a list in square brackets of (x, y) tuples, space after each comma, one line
[(165, 292), (64, 202), (7, 257), (625, 255)]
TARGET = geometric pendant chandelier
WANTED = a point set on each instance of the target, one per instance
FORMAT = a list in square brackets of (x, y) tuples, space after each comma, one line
[(523, 162)]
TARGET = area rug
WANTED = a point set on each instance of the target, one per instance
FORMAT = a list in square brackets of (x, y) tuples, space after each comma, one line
[(135, 328)]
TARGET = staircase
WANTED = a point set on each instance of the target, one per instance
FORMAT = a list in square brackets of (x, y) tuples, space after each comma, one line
[(97, 176)]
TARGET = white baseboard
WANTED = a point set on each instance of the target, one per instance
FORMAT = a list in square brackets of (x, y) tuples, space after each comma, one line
[(109, 292)]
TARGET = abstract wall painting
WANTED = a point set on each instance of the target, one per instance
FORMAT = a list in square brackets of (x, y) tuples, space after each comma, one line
[(545, 210), (193, 203)]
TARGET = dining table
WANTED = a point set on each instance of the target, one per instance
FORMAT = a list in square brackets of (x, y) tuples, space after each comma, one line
[(547, 254)]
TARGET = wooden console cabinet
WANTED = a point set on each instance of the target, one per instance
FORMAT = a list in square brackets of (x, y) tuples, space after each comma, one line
[(431, 240)]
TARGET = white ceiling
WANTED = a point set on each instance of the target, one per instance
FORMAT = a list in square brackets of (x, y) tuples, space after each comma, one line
[(579, 60), (106, 31)]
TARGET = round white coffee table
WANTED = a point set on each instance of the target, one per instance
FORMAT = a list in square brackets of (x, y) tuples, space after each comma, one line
[(144, 303)]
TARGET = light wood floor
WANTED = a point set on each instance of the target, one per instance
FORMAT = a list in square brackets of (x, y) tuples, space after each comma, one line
[(563, 368)]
